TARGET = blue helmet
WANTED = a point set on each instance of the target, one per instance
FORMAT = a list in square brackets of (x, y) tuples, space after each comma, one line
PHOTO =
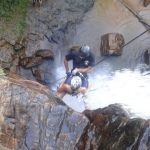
[(85, 51)]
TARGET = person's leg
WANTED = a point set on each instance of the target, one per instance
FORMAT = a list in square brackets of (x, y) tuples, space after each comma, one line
[(65, 85), (81, 90), (64, 88), (61, 95), (88, 88), (84, 86), (61, 90)]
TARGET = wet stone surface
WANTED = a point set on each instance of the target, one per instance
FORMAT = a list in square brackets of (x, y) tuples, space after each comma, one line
[(31, 119)]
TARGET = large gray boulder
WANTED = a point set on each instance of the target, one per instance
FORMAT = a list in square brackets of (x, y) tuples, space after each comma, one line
[(31, 117)]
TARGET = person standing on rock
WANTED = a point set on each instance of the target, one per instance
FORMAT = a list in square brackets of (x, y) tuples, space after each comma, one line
[(83, 62)]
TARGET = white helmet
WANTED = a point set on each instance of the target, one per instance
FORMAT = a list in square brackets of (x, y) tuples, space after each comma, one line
[(75, 83)]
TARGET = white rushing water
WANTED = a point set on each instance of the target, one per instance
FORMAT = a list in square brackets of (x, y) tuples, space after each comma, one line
[(129, 88)]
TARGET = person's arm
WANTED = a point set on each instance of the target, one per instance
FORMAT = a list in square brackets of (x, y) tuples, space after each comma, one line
[(66, 65), (85, 70)]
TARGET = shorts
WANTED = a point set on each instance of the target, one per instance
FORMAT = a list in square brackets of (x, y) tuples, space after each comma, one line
[(84, 81)]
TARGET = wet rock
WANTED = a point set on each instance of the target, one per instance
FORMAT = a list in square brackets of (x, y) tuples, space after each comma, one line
[(24, 41), (112, 43), (8, 141), (2, 42), (33, 118), (68, 30), (29, 62), (56, 20), (38, 74), (31, 112), (48, 36), (44, 53), (112, 128), (6, 50), (75, 5), (18, 46), (37, 2), (33, 37), (115, 109), (58, 37), (146, 3), (5, 65), (34, 69), (15, 65), (44, 72), (40, 63), (22, 53)]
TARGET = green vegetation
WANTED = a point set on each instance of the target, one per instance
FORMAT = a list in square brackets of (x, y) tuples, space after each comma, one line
[(12, 13), (1, 72)]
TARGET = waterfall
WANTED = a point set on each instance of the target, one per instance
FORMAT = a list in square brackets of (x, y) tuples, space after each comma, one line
[(116, 79), (127, 87), (130, 88)]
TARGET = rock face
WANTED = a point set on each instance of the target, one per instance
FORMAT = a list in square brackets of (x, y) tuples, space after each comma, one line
[(111, 128), (56, 20), (45, 53), (13, 58), (29, 62), (52, 19), (32, 118), (9, 60), (6, 50), (146, 3)]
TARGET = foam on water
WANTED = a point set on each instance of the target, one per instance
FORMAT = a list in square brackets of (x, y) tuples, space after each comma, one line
[(129, 88), (126, 87)]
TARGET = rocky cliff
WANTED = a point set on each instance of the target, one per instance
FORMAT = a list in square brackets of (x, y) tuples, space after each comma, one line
[(33, 118)]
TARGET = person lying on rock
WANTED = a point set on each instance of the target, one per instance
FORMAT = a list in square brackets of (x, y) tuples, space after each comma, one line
[(83, 62)]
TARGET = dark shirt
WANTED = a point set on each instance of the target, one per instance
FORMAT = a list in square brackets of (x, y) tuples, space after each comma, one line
[(81, 63)]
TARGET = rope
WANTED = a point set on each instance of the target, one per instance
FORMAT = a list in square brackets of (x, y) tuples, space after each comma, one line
[(123, 46), (111, 54), (105, 56)]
